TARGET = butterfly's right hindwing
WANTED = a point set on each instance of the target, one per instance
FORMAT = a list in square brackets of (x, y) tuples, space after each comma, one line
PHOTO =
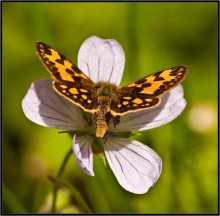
[(79, 95)]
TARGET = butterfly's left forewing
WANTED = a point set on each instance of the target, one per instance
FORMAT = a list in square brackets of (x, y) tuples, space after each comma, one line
[(69, 80), (145, 93), (60, 68)]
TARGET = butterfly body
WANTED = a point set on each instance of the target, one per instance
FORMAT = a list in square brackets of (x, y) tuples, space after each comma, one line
[(105, 100), (100, 116), (105, 95)]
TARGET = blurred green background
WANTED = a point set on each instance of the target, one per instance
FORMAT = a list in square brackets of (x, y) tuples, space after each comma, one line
[(154, 36)]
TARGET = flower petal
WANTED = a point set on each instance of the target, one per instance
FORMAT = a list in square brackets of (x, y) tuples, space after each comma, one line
[(136, 166), (102, 60), (83, 153), (45, 107), (172, 104)]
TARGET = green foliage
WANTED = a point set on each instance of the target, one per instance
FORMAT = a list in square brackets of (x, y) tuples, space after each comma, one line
[(154, 36)]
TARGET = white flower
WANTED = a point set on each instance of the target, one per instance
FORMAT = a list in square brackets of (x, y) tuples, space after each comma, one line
[(136, 166)]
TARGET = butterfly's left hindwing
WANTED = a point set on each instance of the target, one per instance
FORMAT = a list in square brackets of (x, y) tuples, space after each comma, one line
[(127, 104), (69, 80)]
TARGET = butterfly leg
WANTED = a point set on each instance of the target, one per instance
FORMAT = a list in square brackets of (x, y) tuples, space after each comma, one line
[(116, 120), (108, 134)]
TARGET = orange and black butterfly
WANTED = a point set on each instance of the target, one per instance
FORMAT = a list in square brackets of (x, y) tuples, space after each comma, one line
[(104, 99)]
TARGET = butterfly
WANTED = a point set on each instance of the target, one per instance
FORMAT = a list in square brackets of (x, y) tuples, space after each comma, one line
[(104, 100)]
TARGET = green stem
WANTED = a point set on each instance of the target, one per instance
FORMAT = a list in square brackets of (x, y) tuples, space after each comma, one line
[(69, 153), (76, 195), (60, 182), (53, 209)]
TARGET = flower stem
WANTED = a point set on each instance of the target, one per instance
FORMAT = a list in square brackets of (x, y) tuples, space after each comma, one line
[(61, 182), (69, 153), (58, 175), (76, 195)]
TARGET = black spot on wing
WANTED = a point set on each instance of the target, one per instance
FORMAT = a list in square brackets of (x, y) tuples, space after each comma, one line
[(77, 79), (146, 85), (140, 81), (47, 49), (43, 48), (62, 57), (60, 61), (69, 71), (161, 89), (157, 77), (179, 72)]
